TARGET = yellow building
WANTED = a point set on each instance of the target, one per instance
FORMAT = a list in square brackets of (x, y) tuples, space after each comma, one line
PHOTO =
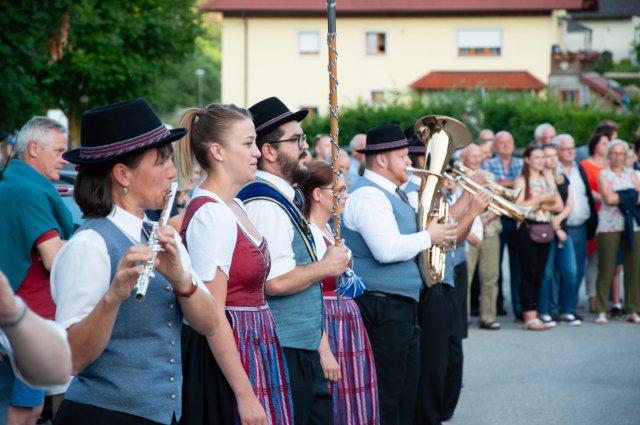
[(279, 47)]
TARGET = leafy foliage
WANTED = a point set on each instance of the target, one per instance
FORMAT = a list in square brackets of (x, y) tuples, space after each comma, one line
[(27, 26), (497, 110)]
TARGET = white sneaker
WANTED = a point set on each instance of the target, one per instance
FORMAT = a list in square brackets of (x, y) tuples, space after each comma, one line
[(547, 320), (570, 320)]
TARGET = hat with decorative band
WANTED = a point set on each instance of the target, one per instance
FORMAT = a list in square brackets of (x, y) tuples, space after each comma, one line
[(384, 138), (112, 131), (271, 113)]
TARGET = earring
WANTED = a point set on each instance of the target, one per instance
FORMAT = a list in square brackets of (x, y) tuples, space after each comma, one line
[(125, 190), (220, 159)]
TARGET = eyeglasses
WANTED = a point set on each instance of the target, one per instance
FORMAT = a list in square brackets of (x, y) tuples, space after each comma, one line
[(567, 149), (342, 190), (300, 138)]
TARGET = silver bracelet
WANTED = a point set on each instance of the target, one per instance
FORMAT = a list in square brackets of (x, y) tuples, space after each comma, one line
[(19, 319)]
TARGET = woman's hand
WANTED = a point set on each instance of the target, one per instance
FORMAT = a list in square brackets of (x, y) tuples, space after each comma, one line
[(169, 263), (330, 366), (127, 274), (555, 222), (561, 234), (250, 411)]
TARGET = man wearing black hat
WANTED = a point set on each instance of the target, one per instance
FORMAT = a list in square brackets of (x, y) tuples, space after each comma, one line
[(380, 228), (293, 286)]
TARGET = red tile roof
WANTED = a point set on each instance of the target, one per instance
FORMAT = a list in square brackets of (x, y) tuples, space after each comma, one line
[(467, 80), (601, 85), (396, 6)]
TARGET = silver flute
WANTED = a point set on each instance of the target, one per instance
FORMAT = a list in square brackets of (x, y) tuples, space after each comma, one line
[(147, 273)]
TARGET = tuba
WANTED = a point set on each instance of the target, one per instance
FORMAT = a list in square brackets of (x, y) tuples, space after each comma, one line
[(441, 135)]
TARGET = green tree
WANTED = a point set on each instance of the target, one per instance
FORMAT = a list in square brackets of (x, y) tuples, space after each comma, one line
[(117, 49), (31, 37), (178, 88)]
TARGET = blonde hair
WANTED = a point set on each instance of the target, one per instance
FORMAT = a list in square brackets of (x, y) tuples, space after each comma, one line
[(211, 126)]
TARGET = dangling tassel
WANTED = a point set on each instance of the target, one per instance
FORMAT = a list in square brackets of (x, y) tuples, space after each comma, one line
[(350, 284)]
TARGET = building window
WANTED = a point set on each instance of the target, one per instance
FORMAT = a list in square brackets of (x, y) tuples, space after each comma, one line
[(569, 97), (313, 111), (479, 42), (376, 43), (377, 97), (309, 42)]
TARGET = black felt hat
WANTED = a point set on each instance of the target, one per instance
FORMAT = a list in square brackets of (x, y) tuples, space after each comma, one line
[(384, 138), (416, 147), (111, 131), (271, 113)]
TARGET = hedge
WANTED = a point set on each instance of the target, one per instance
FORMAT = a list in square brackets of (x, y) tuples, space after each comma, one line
[(518, 113)]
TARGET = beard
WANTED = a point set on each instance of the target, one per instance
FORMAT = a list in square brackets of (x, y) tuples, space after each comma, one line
[(292, 169)]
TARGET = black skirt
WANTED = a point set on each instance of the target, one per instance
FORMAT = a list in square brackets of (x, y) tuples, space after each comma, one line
[(207, 397)]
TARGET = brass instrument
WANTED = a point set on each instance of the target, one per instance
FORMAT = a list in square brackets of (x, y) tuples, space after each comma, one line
[(441, 135), (509, 194), (147, 273), (498, 205)]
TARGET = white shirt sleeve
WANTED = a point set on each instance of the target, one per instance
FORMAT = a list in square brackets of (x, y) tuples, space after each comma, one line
[(275, 226), (369, 212), (80, 276), (476, 228), (211, 238)]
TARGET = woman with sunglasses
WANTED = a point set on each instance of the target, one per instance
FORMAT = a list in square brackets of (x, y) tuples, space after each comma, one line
[(352, 378)]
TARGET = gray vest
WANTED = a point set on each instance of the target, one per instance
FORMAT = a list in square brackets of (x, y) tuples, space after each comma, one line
[(400, 278), (299, 317), (140, 370)]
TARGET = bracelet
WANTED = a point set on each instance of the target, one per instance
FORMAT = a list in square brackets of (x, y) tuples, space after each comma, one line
[(189, 292), (19, 319)]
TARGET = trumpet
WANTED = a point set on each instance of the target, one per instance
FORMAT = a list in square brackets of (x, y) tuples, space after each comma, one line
[(509, 194), (147, 273), (499, 205)]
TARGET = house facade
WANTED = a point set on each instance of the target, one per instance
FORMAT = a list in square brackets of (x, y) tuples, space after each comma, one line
[(279, 47)]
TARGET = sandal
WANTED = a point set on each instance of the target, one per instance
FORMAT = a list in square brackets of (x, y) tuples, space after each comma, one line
[(535, 325), (601, 319), (633, 318)]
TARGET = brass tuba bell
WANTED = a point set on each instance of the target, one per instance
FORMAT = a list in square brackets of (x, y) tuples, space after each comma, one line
[(441, 135)]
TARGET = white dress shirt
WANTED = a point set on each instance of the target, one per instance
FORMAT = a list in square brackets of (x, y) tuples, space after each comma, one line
[(414, 198), (81, 271), (580, 212), (274, 224), (212, 235), (369, 212)]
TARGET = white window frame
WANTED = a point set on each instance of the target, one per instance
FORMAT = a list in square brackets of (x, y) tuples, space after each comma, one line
[(310, 52), (366, 42), (475, 42)]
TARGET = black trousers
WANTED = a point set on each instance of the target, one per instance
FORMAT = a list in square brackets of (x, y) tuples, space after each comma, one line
[(72, 413), (533, 260), (392, 325), (461, 279), (440, 356), (312, 402)]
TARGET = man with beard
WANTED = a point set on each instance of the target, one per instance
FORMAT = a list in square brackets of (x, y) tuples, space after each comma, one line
[(380, 226), (293, 286)]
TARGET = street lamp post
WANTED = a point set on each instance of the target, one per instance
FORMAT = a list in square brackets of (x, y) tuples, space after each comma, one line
[(199, 73)]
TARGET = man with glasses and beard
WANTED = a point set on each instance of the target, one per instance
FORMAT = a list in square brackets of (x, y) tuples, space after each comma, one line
[(293, 286)]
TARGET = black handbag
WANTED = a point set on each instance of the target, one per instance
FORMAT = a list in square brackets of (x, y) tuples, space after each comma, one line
[(541, 232)]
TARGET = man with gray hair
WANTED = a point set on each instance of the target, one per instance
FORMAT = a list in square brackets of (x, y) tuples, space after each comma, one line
[(544, 134), (583, 218), (34, 221), (357, 142)]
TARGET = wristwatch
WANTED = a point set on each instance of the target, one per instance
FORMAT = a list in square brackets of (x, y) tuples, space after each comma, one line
[(190, 291)]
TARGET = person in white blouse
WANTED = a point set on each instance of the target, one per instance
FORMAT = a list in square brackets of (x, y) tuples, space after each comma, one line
[(293, 286), (126, 354), (239, 371), (32, 349)]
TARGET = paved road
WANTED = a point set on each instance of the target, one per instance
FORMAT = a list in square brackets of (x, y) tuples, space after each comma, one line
[(567, 375)]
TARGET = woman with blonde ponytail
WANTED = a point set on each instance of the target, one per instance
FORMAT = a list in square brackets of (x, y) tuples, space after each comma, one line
[(238, 375)]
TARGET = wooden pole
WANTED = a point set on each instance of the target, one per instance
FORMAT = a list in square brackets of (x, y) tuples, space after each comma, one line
[(333, 111)]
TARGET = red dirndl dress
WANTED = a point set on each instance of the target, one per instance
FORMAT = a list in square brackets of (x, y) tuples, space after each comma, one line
[(355, 395), (205, 389)]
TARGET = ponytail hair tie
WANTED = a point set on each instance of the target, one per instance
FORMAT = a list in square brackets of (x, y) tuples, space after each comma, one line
[(201, 112)]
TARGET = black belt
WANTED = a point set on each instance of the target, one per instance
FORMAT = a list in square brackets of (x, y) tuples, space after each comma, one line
[(391, 296)]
